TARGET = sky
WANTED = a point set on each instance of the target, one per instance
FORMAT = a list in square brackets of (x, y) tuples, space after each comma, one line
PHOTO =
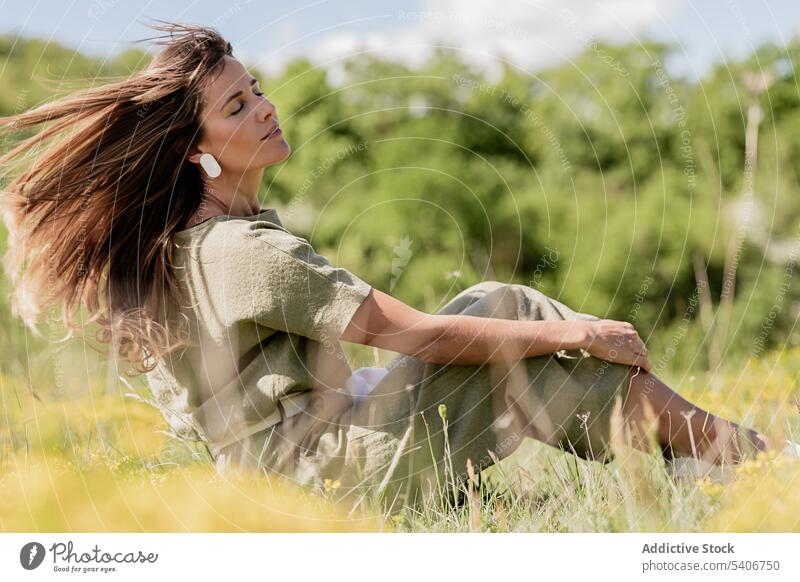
[(530, 34)]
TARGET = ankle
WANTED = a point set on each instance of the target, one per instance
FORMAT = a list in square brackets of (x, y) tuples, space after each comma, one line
[(739, 445), (762, 441)]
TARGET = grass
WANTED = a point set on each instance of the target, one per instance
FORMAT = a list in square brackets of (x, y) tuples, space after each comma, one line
[(93, 461)]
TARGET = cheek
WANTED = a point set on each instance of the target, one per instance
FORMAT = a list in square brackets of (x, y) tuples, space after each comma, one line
[(240, 135), (231, 140), (242, 139)]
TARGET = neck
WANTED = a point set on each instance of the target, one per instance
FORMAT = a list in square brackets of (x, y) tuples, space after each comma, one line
[(237, 194)]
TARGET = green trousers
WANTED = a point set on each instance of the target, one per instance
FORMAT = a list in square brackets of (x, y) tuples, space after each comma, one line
[(394, 442)]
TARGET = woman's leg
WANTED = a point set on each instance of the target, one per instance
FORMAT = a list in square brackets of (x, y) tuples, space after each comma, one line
[(683, 428), (395, 443)]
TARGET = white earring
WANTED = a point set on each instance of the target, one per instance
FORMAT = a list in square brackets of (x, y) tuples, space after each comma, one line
[(210, 165)]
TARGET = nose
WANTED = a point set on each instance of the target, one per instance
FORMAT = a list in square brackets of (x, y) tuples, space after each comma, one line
[(266, 109)]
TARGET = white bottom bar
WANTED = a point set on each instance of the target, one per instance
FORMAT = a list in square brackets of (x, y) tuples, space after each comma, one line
[(403, 557)]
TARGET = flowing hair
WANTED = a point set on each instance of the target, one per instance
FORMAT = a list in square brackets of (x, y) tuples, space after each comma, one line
[(91, 221)]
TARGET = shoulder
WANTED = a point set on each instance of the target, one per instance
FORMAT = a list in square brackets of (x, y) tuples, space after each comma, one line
[(230, 237), (255, 248), (256, 270), (248, 250)]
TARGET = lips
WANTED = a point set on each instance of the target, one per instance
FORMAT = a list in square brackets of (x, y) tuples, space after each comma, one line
[(274, 129)]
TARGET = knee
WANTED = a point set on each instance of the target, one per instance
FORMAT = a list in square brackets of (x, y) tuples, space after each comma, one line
[(513, 289), (488, 286), (517, 300), (499, 300), (516, 289)]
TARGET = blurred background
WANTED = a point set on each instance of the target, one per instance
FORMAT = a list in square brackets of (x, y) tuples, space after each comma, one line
[(637, 160)]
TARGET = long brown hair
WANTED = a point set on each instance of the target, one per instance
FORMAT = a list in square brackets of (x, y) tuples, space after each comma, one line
[(91, 222)]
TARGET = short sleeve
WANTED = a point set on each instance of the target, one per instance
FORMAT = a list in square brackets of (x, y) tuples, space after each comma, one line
[(285, 285)]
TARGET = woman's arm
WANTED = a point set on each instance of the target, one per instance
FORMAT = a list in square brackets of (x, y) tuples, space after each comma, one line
[(385, 322)]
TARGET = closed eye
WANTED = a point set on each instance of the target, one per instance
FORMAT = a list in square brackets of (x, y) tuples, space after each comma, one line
[(242, 107)]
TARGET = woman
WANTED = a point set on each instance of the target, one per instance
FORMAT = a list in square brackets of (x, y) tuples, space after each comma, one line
[(149, 216)]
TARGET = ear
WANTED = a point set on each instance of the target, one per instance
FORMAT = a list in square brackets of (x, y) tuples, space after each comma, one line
[(194, 157)]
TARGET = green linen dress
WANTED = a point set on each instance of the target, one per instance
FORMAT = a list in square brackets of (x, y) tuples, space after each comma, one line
[(267, 312)]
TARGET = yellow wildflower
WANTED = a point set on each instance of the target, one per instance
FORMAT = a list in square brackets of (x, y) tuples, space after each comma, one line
[(708, 487), (331, 485)]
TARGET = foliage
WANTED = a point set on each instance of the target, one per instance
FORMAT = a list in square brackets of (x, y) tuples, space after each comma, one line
[(605, 182)]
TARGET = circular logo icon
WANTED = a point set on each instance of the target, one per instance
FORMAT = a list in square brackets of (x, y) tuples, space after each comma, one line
[(31, 555)]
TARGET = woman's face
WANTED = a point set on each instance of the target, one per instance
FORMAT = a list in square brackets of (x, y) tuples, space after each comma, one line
[(236, 118)]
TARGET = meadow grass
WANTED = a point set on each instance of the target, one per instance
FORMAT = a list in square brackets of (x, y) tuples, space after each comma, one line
[(98, 460)]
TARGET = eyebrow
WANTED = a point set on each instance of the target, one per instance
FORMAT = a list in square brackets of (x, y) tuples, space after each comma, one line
[(253, 81)]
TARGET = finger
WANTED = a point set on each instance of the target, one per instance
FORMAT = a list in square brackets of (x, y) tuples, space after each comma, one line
[(640, 359), (641, 364)]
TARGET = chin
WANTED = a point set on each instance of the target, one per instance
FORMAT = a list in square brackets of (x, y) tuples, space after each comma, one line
[(277, 156)]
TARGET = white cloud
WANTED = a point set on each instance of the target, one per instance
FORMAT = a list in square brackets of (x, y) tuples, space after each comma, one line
[(530, 34)]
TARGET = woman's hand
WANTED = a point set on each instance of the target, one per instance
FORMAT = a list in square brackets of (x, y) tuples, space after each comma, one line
[(618, 342)]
